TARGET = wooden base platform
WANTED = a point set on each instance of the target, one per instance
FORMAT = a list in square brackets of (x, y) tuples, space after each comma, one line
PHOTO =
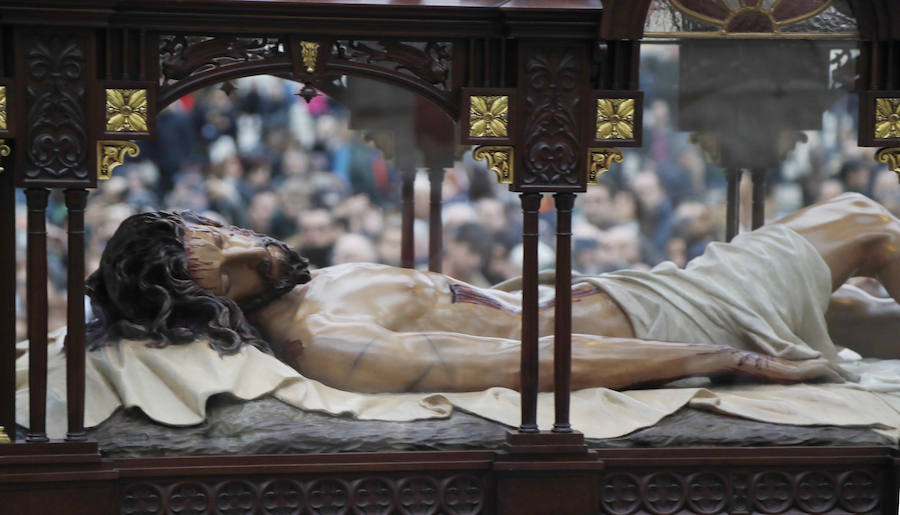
[(41, 478)]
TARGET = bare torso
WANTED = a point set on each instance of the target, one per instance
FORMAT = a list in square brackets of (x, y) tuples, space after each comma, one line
[(367, 327)]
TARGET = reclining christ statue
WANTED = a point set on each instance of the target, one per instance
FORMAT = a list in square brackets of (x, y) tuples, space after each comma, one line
[(755, 307)]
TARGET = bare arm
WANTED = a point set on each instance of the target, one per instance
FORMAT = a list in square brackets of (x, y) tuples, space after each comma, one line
[(359, 355)]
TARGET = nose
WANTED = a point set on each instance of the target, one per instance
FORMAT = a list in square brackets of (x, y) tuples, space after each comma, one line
[(238, 255)]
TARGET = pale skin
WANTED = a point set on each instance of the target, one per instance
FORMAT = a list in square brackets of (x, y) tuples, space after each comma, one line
[(374, 328)]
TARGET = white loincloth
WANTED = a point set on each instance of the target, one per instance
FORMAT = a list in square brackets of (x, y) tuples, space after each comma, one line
[(765, 292)]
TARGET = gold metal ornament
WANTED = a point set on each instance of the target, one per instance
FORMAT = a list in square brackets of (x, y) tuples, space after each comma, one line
[(2, 108), (615, 118), (126, 110), (891, 156), (4, 438), (887, 118), (4, 151), (499, 159), (111, 154), (599, 160), (488, 116), (309, 51)]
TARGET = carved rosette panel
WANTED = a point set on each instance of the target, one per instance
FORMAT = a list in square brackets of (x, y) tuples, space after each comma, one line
[(189, 497), (551, 112), (428, 62), (451, 494), (742, 491), (56, 71), (236, 498), (887, 118), (463, 495), (859, 491), (142, 499), (3, 125), (419, 495)]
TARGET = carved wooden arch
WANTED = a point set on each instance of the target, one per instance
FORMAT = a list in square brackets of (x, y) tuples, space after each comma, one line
[(407, 67)]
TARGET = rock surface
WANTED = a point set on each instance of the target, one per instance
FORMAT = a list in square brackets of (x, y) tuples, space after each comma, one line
[(268, 426)]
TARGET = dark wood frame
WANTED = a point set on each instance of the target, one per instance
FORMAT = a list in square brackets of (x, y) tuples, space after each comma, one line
[(497, 47)]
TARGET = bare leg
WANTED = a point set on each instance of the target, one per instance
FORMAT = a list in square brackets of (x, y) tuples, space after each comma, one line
[(855, 236), (863, 322)]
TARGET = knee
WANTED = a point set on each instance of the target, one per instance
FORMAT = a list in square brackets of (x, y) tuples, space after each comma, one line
[(861, 204)]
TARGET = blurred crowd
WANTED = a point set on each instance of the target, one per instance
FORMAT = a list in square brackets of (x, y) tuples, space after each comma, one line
[(254, 154)]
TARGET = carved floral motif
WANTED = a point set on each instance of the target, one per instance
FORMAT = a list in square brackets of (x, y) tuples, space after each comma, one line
[(551, 117), (183, 56), (488, 116), (891, 156), (615, 118), (55, 84), (887, 118), (309, 52), (126, 110), (429, 61)]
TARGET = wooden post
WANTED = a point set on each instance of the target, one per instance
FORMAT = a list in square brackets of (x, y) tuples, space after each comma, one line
[(75, 202), (37, 312), (8, 300), (759, 197), (562, 346), (531, 203), (733, 203), (407, 245), (435, 222)]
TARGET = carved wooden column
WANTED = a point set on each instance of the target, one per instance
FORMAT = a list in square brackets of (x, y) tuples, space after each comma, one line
[(733, 203), (7, 294), (55, 70), (562, 346), (435, 220), (408, 218), (37, 313), (531, 204), (758, 175), (75, 202)]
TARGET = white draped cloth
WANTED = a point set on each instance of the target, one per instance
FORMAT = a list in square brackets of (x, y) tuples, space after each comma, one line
[(767, 292)]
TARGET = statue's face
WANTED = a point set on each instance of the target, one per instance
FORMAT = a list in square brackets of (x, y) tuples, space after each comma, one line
[(227, 261)]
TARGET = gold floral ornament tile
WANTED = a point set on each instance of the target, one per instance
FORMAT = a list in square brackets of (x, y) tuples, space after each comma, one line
[(488, 116), (615, 118), (126, 110), (887, 118), (3, 108)]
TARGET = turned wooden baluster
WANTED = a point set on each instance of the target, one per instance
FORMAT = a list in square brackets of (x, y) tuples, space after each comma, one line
[(531, 203), (759, 197), (435, 222), (562, 346), (37, 312), (407, 230), (733, 203), (8, 299), (75, 202)]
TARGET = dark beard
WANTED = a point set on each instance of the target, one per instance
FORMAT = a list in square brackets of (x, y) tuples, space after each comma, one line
[(293, 271)]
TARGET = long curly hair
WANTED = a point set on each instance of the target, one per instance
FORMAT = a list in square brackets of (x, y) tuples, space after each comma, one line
[(142, 290)]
